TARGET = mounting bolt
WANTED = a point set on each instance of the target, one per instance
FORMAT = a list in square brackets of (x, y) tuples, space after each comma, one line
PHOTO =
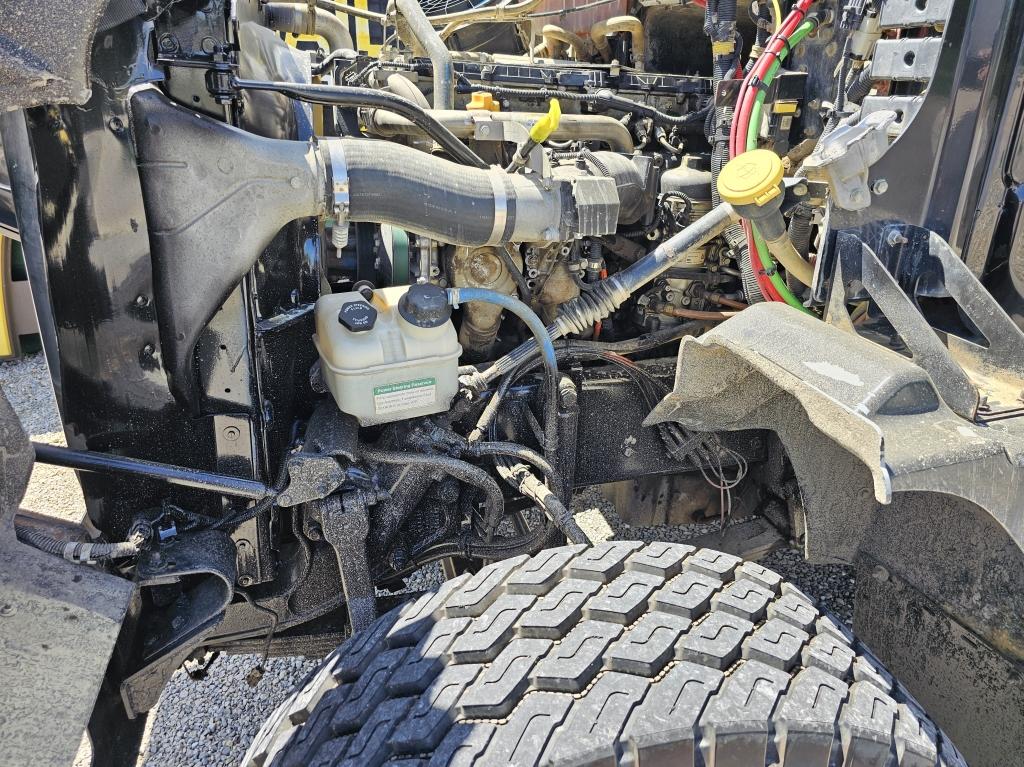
[(141, 301), (895, 237), (245, 580), (880, 187), (879, 573), (116, 125), (148, 350), (7, 610), (167, 43)]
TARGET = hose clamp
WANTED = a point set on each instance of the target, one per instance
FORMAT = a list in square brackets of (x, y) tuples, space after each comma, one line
[(498, 176), (310, 17), (340, 198)]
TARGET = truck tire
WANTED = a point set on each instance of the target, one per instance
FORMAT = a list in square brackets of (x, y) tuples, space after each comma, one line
[(618, 653)]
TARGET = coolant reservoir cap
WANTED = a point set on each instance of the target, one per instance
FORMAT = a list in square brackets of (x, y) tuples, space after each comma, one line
[(751, 178), (357, 316), (425, 305)]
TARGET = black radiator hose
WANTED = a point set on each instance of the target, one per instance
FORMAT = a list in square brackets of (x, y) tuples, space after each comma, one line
[(344, 96)]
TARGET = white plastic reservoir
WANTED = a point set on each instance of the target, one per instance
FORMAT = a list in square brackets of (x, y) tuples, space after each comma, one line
[(380, 366)]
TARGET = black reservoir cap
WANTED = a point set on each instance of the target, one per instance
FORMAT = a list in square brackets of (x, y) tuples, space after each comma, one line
[(357, 316), (425, 305)]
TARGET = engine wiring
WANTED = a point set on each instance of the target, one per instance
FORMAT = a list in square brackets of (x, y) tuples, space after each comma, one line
[(743, 135)]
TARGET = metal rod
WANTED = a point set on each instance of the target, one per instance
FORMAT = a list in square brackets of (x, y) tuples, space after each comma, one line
[(427, 37), (87, 460)]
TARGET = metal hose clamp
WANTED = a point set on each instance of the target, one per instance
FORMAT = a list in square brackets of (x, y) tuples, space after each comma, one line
[(339, 192), (498, 176)]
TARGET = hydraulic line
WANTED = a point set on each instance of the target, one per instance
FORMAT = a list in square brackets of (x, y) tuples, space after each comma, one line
[(462, 471), (580, 314), (547, 498), (603, 98), (745, 126), (543, 341)]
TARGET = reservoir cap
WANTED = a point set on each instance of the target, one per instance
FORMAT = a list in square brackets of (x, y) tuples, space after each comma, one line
[(751, 178), (425, 305), (357, 316)]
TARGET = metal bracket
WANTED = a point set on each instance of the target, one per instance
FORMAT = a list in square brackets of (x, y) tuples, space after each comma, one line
[(171, 634), (346, 524), (900, 267), (861, 264), (844, 157)]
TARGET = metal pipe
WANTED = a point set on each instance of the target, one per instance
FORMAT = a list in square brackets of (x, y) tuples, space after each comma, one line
[(87, 460), (628, 24), (552, 34), (430, 41), (300, 19), (462, 123), (608, 295), (510, 12), (351, 10)]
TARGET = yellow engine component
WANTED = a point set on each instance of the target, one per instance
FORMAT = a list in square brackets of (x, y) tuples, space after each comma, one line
[(752, 178), (548, 124), (483, 101)]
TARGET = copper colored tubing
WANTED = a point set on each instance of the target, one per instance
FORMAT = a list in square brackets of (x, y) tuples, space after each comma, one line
[(695, 314), (723, 301)]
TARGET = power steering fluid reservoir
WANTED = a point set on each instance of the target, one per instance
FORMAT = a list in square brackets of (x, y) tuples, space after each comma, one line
[(390, 354)]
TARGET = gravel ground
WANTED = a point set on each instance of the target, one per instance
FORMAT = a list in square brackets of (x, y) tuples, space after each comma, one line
[(211, 722)]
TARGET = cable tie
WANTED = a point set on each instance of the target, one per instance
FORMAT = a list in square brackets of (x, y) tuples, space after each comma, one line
[(758, 84)]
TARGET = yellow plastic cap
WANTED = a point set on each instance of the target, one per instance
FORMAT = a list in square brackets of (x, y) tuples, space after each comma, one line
[(751, 178), (483, 101), (548, 124)]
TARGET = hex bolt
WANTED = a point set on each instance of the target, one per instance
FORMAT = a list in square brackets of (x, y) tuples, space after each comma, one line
[(167, 42), (880, 187), (141, 301), (148, 350), (245, 580), (115, 124), (895, 237)]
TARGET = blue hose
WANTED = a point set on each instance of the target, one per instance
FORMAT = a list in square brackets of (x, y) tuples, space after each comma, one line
[(457, 296), (547, 348)]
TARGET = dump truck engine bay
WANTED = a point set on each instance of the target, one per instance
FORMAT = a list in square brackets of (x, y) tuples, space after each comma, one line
[(471, 217), (421, 294)]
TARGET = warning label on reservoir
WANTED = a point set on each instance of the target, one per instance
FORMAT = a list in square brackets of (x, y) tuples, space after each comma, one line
[(405, 395)]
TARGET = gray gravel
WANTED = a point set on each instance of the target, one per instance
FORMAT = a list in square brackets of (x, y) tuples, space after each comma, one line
[(211, 722)]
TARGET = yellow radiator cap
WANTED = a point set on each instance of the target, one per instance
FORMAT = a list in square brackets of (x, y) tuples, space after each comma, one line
[(751, 178)]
